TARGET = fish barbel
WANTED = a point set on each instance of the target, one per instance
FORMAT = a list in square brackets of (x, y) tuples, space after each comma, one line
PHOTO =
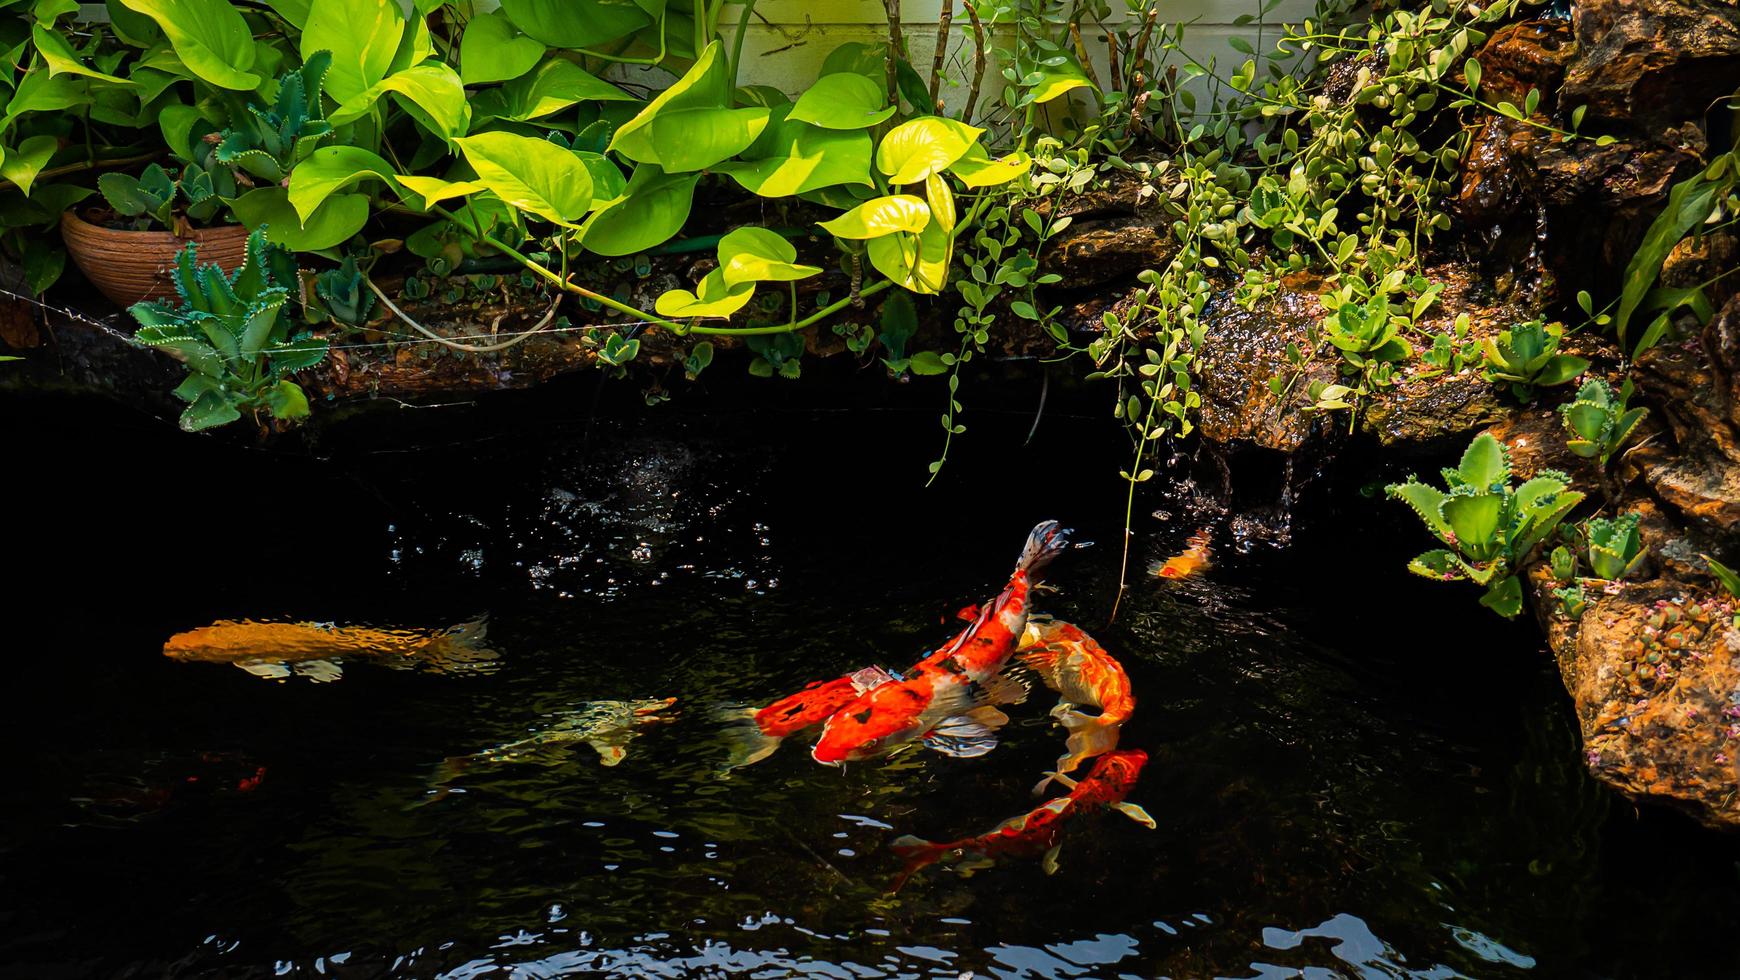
[(1074, 665), (276, 651), (1036, 831), (948, 698)]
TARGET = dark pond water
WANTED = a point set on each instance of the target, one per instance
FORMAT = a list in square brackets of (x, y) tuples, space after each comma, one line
[(1355, 774)]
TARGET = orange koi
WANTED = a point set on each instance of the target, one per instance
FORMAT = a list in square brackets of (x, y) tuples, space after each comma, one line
[(1194, 559), (1074, 665), (948, 699), (276, 651), (1037, 830)]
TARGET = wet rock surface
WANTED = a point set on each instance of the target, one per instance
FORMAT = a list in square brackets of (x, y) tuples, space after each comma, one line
[(1641, 62)]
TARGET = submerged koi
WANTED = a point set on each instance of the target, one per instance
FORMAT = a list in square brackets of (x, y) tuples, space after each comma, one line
[(1082, 673), (1036, 831), (607, 726), (1193, 559), (947, 699), (275, 651)]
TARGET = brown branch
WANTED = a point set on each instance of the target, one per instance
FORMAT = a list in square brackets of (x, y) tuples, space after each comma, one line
[(1141, 52), (978, 59), (1112, 57), (896, 44), (944, 18), (1081, 54)]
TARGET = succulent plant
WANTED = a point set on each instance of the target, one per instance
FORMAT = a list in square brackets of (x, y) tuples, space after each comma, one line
[(152, 197), (1489, 526), (345, 294), (270, 140), (229, 331), (1563, 564), (1597, 422), (1613, 547), (1527, 356), (1572, 602)]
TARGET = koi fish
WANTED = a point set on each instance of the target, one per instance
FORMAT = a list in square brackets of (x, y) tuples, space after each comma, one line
[(1192, 560), (1082, 673), (1036, 831), (607, 726), (756, 733), (276, 651), (948, 700)]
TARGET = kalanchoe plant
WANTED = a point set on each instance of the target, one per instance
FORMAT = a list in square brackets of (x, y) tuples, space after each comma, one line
[(345, 293), (269, 141), (1572, 602), (154, 196), (1613, 547), (230, 332), (1527, 356), (1563, 563), (1490, 527), (1598, 422)]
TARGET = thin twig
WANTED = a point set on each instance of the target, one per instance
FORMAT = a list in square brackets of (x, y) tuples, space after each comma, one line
[(1112, 57), (471, 348), (945, 18), (978, 59), (1141, 50)]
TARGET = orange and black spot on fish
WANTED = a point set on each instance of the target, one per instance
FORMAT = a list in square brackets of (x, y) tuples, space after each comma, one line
[(1195, 558)]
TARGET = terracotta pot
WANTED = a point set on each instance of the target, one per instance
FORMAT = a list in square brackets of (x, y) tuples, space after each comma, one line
[(129, 266)]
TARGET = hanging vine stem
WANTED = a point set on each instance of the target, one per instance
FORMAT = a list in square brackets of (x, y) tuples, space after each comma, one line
[(518, 338), (945, 18), (978, 59)]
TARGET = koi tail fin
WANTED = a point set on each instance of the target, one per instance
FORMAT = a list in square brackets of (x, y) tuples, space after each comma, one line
[(462, 648), (1045, 543), (918, 854), (745, 742)]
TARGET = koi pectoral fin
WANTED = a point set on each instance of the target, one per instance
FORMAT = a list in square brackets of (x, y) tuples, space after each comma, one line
[(319, 671), (962, 737), (269, 671), (609, 754), (1136, 813), (1049, 863)]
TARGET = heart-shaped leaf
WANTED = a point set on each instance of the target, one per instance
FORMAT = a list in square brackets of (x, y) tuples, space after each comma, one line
[(336, 220), (434, 190), (557, 84), (577, 23), (976, 168), (650, 210), (918, 262), (434, 91), (750, 255), (531, 174), (843, 100), (330, 169), (688, 127), (62, 59), (24, 162), (209, 37), (881, 216), (917, 148), (493, 50), (795, 157), (363, 36), (713, 297)]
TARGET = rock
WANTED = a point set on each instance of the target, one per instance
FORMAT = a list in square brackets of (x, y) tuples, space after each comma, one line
[(1242, 351), (1698, 473), (1648, 64), (1530, 55), (1098, 251), (1654, 673), (1535, 439)]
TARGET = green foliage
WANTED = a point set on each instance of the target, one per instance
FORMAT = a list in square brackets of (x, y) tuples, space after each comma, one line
[(1489, 526), (1729, 578), (230, 332), (1572, 601), (1563, 563), (1452, 351), (1597, 422), (1612, 548), (1527, 357)]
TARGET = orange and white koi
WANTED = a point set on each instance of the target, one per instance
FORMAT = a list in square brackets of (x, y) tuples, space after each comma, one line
[(276, 651), (1193, 559), (948, 698), (1074, 665), (1037, 830), (756, 733)]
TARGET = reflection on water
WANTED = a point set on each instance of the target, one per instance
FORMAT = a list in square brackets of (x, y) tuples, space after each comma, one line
[(1354, 775)]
